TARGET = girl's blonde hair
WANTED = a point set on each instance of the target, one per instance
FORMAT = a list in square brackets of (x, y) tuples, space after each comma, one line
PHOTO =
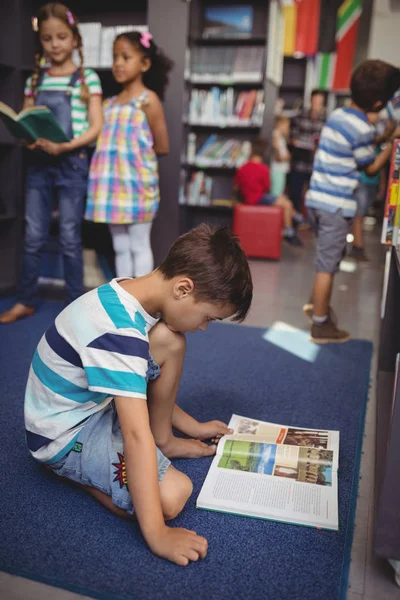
[(57, 10)]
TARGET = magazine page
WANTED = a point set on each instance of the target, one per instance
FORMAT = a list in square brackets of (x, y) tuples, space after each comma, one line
[(281, 498), (309, 465), (275, 472), (247, 429)]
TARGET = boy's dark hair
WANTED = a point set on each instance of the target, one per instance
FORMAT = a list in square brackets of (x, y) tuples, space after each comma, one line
[(373, 84), (259, 146), (213, 259), (156, 78), (318, 92)]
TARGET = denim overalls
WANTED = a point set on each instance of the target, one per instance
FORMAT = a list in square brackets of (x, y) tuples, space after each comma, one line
[(50, 180)]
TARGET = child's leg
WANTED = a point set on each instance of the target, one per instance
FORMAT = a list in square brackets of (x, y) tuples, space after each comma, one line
[(288, 210), (122, 249), (97, 465), (168, 350), (139, 236), (72, 205), (38, 206), (175, 490), (321, 294), (332, 231), (358, 232)]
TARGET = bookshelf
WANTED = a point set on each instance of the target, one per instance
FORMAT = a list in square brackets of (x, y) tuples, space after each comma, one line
[(16, 63), (227, 102), (293, 85)]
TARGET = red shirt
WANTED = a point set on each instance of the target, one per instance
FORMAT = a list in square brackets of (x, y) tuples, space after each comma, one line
[(253, 181)]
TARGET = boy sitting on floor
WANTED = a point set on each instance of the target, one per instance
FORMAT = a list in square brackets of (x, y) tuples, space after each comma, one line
[(108, 352), (252, 181)]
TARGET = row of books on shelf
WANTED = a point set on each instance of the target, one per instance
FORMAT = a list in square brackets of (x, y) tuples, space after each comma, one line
[(226, 107), (98, 42), (217, 152), (197, 191), (225, 63), (391, 220)]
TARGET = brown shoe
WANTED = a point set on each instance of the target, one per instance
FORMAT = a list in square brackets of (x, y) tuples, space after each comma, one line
[(328, 333), (18, 311)]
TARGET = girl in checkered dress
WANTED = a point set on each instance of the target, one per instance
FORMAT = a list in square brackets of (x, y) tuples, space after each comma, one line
[(123, 180)]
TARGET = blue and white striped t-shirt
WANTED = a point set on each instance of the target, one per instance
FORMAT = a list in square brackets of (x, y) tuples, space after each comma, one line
[(345, 147), (97, 348)]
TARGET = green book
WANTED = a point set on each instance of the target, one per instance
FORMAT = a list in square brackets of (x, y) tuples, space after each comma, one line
[(32, 123)]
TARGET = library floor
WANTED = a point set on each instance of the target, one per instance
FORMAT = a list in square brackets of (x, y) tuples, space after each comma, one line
[(280, 290)]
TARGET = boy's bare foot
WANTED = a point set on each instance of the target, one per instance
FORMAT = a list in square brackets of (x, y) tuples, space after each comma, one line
[(18, 311), (187, 448)]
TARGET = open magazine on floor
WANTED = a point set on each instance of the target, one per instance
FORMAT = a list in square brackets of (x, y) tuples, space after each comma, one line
[(275, 472)]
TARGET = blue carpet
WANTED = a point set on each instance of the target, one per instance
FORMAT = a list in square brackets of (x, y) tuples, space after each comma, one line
[(54, 533)]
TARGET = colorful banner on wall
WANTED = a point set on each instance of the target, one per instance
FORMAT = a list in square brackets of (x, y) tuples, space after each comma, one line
[(346, 38), (333, 69), (301, 28)]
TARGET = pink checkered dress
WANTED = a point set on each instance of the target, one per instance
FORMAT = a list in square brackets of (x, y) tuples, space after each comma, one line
[(123, 177)]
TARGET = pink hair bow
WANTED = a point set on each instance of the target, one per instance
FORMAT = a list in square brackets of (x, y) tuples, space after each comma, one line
[(70, 17), (145, 39)]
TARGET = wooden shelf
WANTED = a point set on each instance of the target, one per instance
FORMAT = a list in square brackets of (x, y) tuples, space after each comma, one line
[(226, 83), (256, 40), (211, 207), (7, 218), (208, 167), (221, 126)]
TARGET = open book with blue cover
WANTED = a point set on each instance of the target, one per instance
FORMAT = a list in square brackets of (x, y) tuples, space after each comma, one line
[(32, 123), (275, 472)]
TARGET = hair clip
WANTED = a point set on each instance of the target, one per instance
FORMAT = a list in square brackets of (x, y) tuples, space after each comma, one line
[(70, 17), (145, 39), (35, 25)]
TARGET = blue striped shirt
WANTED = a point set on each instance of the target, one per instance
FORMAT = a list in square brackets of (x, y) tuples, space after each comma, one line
[(97, 348), (346, 146)]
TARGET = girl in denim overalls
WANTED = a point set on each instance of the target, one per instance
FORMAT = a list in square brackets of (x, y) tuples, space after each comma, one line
[(57, 172)]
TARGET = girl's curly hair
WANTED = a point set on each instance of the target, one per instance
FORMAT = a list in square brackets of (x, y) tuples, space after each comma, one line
[(156, 78)]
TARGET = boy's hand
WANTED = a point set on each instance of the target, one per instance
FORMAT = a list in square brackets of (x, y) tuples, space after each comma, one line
[(213, 430), (178, 545)]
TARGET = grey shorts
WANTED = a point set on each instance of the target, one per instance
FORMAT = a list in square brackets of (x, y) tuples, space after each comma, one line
[(97, 458), (331, 229), (365, 196)]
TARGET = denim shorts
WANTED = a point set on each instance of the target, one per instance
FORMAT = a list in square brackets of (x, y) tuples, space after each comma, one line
[(267, 200), (97, 458), (365, 196), (332, 230)]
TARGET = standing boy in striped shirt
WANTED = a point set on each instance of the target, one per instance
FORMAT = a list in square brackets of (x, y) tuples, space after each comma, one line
[(346, 147), (100, 398)]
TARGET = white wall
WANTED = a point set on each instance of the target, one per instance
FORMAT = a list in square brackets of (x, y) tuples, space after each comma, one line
[(384, 40)]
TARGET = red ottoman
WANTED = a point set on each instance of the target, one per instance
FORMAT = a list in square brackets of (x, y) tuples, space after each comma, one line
[(259, 229)]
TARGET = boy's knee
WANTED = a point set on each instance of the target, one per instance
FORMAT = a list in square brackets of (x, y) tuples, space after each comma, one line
[(175, 496), (163, 339)]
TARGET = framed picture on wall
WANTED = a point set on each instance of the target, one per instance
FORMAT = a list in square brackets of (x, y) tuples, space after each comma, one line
[(228, 21)]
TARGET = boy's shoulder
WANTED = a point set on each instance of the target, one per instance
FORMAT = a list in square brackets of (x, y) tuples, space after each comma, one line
[(108, 310), (350, 121)]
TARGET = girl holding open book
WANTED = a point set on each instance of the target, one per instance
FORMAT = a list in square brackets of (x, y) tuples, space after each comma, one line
[(123, 180), (57, 172)]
